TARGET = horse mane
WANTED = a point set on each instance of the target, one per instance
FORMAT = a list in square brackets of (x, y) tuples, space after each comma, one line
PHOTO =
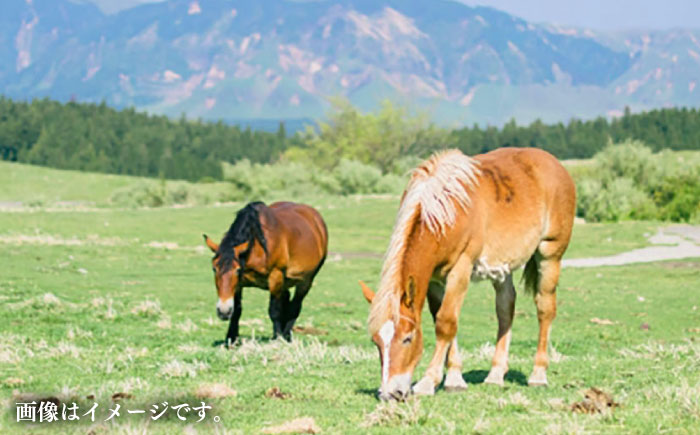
[(245, 228), (437, 185)]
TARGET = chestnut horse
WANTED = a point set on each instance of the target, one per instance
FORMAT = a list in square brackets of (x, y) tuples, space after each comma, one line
[(465, 219), (271, 248)]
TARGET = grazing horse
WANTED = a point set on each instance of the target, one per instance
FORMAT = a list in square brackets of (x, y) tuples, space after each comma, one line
[(271, 248), (463, 219)]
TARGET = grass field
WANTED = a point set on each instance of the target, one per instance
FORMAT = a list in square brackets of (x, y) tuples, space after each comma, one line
[(103, 300)]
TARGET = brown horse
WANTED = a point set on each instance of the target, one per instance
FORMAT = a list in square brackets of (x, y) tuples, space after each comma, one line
[(271, 248), (465, 218)]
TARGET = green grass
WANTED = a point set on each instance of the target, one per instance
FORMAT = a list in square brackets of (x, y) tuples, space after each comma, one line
[(40, 186), (90, 305)]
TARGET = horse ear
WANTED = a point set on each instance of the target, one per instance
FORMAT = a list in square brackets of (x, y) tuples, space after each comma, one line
[(410, 293), (367, 292), (212, 245)]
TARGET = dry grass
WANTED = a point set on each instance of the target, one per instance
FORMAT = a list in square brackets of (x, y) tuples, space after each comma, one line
[(298, 355), (298, 425), (49, 240), (392, 413), (214, 391), (181, 369), (187, 326), (147, 308)]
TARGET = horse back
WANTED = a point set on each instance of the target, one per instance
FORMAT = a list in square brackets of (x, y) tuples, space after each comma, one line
[(300, 236), (524, 196)]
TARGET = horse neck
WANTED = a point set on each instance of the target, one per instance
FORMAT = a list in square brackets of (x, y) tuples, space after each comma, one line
[(419, 262)]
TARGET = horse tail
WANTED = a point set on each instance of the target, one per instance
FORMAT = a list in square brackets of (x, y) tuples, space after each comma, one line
[(531, 275)]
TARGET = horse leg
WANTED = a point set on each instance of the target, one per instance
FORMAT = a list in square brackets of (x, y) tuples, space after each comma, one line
[(276, 310), (446, 319), (279, 298), (232, 334), (453, 380), (505, 306), (546, 302), (294, 308)]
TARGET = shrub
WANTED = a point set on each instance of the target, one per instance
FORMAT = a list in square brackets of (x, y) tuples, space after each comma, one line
[(159, 194), (679, 197), (630, 159), (628, 181), (391, 183), (256, 181), (619, 200), (356, 177)]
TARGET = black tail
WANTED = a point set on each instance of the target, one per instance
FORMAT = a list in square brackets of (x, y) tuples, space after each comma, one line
[(531, 275)]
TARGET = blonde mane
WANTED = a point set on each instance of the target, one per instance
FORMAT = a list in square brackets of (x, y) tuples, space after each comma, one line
[(435, 187)]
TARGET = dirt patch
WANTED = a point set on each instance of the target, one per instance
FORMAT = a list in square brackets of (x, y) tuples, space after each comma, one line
[(596, 401), (12, 382), (298, 425), (121, 396), (332, 304), (309, 330), (680, 265), (605, 322), (276, 393), (214, 391), (49, 240)]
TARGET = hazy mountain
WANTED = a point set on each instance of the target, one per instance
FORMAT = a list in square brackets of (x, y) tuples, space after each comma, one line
[(236, 59)]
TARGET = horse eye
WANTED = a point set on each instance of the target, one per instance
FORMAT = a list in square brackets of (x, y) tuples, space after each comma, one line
[(408, 339)]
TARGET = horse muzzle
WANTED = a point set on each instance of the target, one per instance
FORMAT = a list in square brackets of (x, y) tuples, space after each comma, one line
[(224, 309), (398, 388)]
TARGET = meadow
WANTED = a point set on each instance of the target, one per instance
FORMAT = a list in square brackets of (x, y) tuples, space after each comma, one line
[(98, 300)]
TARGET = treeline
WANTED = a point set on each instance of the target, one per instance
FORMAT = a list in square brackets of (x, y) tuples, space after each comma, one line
[(95, 137), (673, 128)]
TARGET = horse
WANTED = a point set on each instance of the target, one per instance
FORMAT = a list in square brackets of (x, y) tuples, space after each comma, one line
[(469, 218), (273, 248)]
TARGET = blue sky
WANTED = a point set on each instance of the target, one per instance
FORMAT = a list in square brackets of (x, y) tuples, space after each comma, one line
[(604, 14)]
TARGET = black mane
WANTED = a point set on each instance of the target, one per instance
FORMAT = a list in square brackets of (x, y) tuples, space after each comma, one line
[(245, 228)]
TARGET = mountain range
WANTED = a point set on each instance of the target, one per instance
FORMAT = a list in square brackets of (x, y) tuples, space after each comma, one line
[(282, 59)]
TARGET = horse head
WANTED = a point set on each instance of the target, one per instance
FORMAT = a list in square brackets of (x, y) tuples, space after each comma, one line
[(227, 273), (395, 330)]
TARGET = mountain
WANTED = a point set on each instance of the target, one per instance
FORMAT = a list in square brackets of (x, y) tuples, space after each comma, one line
[(234, 59)]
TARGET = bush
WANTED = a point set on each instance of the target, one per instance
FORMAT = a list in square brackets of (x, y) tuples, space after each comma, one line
[(159, 194), (629, 159), (254, 181), (356, 177), (679, 197), (379, 138), (619, 200), (628, 181), (293, 179)]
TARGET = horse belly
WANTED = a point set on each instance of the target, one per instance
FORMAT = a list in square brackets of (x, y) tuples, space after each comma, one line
[(503, 255)]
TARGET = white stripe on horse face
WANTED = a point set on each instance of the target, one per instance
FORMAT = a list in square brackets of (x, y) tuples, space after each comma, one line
[(386, 333)]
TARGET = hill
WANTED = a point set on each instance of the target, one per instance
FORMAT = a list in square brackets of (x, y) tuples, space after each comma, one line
[(229, 59)]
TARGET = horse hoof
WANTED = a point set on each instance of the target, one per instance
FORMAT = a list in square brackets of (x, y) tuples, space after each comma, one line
[(495, 377), (424, 387), (454, 382), (538, 378), (494, 381)]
